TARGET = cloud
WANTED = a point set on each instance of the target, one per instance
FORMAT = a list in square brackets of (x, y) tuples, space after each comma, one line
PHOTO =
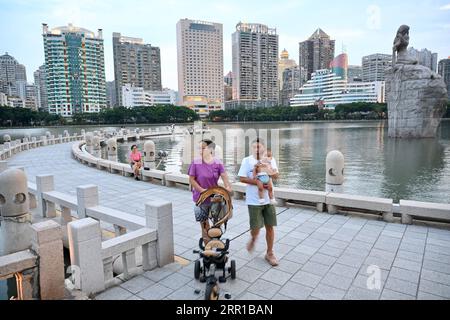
[(445, 7)]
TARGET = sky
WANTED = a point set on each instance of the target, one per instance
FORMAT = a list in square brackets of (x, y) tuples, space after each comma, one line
[(359, 27)]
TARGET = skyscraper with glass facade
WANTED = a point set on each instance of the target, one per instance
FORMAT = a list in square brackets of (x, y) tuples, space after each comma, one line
[(75, 70)]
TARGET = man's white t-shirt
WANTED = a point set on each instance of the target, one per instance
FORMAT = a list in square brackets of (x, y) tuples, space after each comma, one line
[(246, 171)]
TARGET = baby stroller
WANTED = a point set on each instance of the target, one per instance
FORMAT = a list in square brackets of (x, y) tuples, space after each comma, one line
[(214, 255)]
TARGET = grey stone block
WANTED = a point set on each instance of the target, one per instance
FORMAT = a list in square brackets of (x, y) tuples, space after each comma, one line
[(407, 264), (137, 284), (175, 281), (306, 279), (337, 281), (401, 286), (355, 293), (393, 295), (343, 270), (435, 288), (157, 274), (323, 259), (295, 291), (406, 275), (276, 276), (264, 288), (315, 268), (155, 292), (328, 293), (116, 293)]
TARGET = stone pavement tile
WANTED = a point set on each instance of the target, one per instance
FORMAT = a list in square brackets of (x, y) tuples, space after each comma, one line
[(368, 282), (393, 295), (435, 288), (320, 236), (356, 293), (295, 291), (133, 297), (157, 274), (325, 292), (330, 251), (344, 270), (116, 293), (315, 268), (413, 256), (249, 274), (382, 254), (175, 281), (137, 284), (298, 235), (259, 263), (264, 288), (428, 296), (337, 281), (306, 279), (436, 249), (276, 276), (155, 292), (279, 296), (351, 260), (407, 264), (385, 264), (288, 266), (186, 293), (290, 240), (337, 244), (435, 276), (437, 266), (306, 250), (437, 257), (313, 243), (401, 286), (297, 257), (250, 296), (407, 275), (323, 259), (233, 287)]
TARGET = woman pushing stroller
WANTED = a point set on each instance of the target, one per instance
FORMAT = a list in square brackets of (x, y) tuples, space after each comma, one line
[(204, 173)]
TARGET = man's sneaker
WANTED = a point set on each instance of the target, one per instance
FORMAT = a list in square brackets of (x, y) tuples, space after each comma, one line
[(272, 259)]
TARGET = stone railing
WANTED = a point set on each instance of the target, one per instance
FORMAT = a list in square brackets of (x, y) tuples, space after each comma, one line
[(138, 241), (333, 203), (39, 271)]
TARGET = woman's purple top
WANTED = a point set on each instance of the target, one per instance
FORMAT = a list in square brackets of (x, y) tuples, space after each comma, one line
[(206, 175)]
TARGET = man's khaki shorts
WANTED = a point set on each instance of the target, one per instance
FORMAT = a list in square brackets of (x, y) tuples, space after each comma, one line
[(261, 216)]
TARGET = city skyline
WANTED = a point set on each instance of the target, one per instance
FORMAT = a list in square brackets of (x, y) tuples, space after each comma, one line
[(361, 28)]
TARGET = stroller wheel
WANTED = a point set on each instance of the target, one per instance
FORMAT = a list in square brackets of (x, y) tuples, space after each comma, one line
[(212, 291), (233, 269), (197, 269)]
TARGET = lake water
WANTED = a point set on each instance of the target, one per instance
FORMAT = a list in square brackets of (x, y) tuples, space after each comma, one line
[(374, 164)]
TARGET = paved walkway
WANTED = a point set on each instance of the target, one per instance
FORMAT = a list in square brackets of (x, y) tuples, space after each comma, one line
[(321, 256)]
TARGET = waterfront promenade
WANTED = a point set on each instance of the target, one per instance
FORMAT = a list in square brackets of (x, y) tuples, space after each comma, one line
[(321, 256)]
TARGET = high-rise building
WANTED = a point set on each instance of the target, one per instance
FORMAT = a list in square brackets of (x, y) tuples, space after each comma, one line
[(354, 73), (11, 72), (255, 66), (292, 82), (374, 67), (3, 100), (135, 63), (283, 64), (425, 57), (75, 70), (444, 71), (317, 52), (228, 86), (200, 63), (41, 88), (111, 97)]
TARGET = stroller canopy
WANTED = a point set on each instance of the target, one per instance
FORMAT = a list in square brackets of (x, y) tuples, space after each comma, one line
[(221, 208)]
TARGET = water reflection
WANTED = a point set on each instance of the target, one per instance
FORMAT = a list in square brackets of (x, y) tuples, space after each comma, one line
[(412, 167)]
